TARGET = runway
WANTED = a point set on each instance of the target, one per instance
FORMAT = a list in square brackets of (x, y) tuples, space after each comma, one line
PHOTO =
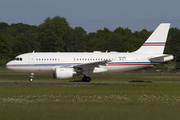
[(57, 83)]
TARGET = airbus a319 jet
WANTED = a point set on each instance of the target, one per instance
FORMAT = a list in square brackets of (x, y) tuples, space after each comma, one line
[(65, 65)]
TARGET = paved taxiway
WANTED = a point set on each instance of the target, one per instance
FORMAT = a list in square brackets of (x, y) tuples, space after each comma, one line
[(56, 83)]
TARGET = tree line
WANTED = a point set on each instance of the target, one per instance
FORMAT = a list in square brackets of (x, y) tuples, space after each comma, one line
[(55, 35)]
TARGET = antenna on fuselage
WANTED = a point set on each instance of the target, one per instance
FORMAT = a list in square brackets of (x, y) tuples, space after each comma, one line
[(33, 51)]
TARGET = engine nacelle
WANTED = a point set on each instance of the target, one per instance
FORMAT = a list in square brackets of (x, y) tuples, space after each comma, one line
[(63, 73)]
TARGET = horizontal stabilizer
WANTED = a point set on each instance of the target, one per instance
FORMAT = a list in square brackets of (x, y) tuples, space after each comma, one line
[(163, 58)]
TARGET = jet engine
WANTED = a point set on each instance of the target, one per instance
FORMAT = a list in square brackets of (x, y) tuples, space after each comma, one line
[(63, 73)]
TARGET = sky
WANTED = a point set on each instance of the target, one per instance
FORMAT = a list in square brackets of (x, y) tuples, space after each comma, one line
[(93, 15)]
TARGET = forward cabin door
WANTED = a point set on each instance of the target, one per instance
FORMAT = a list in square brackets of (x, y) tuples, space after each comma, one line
[(31, 59)]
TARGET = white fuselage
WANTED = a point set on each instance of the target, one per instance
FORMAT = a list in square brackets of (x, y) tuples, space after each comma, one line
[(48, 62)]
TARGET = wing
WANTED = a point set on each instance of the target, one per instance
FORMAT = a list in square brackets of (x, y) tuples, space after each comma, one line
[(91, 64), (90, 67)]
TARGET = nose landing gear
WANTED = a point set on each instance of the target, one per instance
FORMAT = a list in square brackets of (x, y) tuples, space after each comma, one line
[(31, 78)]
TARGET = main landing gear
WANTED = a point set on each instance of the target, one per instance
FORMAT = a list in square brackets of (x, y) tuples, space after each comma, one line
[(86, 79), (31, 78)]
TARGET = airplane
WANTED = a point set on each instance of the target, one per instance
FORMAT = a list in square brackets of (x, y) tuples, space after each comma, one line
[(65, 65)]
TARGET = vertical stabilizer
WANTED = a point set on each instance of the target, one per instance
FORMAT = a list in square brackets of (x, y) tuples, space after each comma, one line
[(156, 42)]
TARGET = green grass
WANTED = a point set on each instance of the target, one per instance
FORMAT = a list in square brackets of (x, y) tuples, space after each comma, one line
[(142, 97), (125, 101)]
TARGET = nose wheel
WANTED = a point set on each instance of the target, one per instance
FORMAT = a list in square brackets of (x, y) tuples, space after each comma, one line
[(31, 79)]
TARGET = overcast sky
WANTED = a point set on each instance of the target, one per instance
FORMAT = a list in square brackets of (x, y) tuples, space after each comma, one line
[(93, 15)]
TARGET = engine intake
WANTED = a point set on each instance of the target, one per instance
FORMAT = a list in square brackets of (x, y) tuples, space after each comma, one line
[(63, 73)]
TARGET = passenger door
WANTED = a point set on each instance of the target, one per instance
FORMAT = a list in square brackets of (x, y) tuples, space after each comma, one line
[(31, 59)]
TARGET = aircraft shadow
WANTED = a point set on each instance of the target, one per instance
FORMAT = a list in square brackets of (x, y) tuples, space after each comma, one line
[(76, 81)]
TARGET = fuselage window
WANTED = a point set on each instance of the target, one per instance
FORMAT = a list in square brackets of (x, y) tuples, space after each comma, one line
[(122, 58)]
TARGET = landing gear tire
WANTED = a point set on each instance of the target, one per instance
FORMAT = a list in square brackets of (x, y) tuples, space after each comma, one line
[(86, 79), (31, 79)]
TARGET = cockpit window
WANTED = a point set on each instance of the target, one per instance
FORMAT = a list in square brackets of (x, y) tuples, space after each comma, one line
[(18, 59)]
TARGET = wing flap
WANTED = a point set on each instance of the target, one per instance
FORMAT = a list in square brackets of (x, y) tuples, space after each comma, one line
[(91, 64)]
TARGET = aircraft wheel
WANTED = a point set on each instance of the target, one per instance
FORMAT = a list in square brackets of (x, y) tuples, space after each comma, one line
[(86, 79), (31, 79)]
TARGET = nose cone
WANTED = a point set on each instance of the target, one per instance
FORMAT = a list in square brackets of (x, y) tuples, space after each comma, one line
[(7, 65)]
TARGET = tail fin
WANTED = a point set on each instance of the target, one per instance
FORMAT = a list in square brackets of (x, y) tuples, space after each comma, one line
[(156, 42)]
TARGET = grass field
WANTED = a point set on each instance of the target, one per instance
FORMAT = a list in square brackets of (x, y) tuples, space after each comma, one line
[(150, 96)]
